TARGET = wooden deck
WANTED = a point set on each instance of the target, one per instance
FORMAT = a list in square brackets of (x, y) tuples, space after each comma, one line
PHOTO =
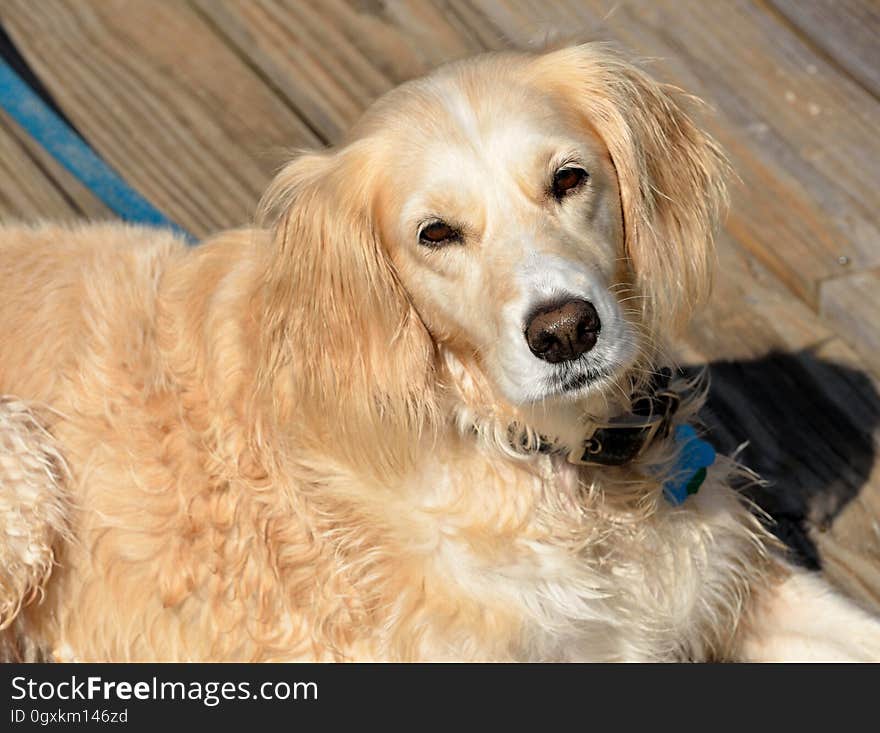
[(195, 103)]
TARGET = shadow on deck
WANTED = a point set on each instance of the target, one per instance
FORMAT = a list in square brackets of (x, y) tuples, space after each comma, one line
[(809, 425)]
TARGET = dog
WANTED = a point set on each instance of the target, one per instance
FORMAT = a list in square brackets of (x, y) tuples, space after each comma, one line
[(417, 412)]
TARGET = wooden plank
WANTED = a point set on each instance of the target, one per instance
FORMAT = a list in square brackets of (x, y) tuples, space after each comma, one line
[(303, 50), (80, 202), (331, 60), (797, 129), (163, 100), (749, 313), (27, 193), (845, 31), (851, 306)]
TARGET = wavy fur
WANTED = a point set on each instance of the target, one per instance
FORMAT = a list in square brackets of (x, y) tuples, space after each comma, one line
[(289, 443)]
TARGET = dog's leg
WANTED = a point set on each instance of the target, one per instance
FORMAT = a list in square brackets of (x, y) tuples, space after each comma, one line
[(803, 619), (33, 508)]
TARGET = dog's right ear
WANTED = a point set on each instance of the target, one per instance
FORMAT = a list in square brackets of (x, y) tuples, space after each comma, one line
[(334, 315)]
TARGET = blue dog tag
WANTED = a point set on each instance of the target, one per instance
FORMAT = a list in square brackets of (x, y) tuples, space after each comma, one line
[(694, 457)]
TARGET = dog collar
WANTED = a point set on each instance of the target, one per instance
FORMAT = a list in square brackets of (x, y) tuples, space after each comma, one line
[(622, 440)]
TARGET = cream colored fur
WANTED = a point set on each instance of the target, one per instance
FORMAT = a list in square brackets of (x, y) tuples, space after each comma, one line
[(33, 507), (310, 440)]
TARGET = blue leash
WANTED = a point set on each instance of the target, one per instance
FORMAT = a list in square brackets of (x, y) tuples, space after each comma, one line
[(29, 110)]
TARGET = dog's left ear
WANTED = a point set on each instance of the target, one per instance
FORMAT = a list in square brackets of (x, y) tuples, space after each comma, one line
[(334, 317), (670, 173)]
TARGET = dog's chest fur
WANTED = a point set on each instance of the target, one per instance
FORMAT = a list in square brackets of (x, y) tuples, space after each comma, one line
[(581, 575)]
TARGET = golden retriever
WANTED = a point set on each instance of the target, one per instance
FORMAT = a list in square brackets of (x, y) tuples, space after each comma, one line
[(354, 431)]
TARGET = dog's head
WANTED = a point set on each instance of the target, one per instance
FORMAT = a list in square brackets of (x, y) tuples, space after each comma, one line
[(541, 221)]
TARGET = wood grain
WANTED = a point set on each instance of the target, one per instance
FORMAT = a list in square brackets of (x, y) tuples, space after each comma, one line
[(330, 61), (163, 100), (27, 192), (844, 31), (851, 307), (79, 201)]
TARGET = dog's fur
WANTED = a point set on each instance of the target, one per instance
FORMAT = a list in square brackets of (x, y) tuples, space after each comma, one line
[(315, 439)]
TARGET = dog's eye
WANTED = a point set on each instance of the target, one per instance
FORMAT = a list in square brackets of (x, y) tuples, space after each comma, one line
[(437, 233), (567, 179)]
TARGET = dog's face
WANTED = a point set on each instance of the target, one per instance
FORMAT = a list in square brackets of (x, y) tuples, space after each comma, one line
[(506, 229), (547, 219)]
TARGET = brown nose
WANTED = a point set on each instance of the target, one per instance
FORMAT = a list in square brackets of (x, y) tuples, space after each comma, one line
[(562, 332)]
